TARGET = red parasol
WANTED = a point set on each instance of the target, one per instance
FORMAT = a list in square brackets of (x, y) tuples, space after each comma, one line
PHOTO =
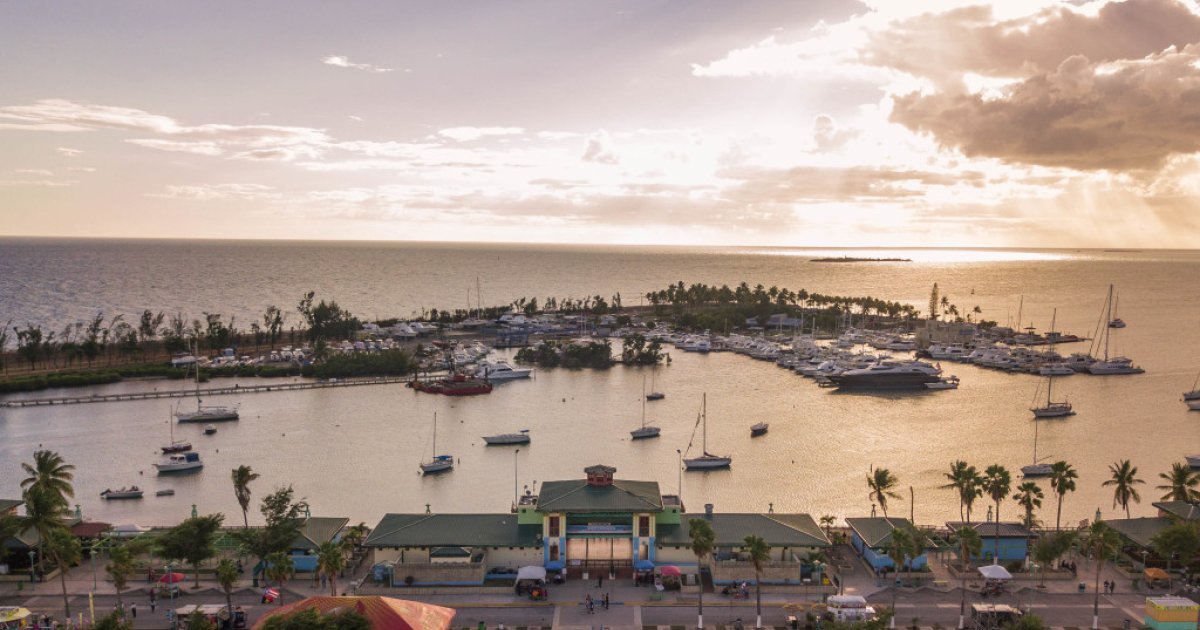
[(171, 578)]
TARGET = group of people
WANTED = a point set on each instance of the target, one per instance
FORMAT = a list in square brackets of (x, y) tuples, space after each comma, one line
[(1110, 586), (589, 604)]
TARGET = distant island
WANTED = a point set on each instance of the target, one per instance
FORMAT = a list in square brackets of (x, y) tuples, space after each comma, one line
[(846, 259)]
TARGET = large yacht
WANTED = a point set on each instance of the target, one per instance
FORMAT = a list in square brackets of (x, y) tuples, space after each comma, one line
[(889, 375), (501, 371)]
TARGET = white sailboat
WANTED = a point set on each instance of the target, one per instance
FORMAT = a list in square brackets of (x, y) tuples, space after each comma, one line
[(707, 461), (654, 394), (206, 413), (1114, 365), (1036, 469), (439, 463), (644, 431), (1116, 321), (1052, 409), (1195, 393)]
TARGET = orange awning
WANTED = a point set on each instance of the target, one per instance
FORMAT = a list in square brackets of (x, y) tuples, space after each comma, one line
[(384, 613), (1155, 574)]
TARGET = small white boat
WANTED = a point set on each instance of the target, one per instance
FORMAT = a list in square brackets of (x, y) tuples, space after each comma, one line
[(169, 492), (209, 429), (645, 431), (1193, 460), (759, 429), (1055, 369), (179, 462), (505, 439), (950, 382), (131, 492), (1195, 393)]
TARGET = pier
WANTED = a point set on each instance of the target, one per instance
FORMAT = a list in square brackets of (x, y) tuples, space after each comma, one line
[(204, 393)]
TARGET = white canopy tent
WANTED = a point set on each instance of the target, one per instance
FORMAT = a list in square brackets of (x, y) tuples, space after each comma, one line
[(531, 573), (995, 572)]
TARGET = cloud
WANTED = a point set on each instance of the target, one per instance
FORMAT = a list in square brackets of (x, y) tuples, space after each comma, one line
[(32, 171), (344, 62), (827, 136), (242, 141), (467, 134), (40, 183), (805, 184), (220, 192), (69, 152), (1083, 115), (598, 148)]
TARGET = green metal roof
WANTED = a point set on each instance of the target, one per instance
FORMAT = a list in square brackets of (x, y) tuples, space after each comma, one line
[(317, 530), (989, 529), (1140, 530), (778, 530), (453, 530), (576, 495), (876, 531)]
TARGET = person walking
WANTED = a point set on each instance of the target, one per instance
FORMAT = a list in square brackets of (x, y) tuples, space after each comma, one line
[(133, 610), (606, 601)]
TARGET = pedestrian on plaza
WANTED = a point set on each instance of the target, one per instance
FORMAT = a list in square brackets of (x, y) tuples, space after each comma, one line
[(152, 605), (606, 601), (133, 610), (600, 580)]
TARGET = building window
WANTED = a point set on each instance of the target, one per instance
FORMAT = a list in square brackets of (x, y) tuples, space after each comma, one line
[(554, 527), (644, 526), (554, 552)]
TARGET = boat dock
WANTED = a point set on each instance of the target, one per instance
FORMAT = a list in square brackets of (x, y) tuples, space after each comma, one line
[(204, 393)]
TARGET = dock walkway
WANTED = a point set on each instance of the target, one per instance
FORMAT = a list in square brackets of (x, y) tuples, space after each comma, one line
[(204, 393)]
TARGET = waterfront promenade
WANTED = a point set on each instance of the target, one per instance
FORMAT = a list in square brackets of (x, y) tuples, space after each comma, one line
[(1060, 604)]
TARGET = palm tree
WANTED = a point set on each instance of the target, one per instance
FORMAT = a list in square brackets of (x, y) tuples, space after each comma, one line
[(881, 481), (997, 482), (119, 568), (1103, 542), (279, 570), (64, 548), (242, 476), (957, 479), (227, 577), (331, 560), (1124, 478), (827, 522), (1062, 481), (898, 552), (1180, 483), (759, 552), (969, 544), (703, 541), (50, 472), (43, 514), (1029, 496), (972, 488)]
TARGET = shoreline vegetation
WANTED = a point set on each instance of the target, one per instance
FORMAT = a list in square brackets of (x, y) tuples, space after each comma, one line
[(109, 349)]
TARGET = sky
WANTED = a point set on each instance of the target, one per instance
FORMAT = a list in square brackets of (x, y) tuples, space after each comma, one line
[(1024, 123)]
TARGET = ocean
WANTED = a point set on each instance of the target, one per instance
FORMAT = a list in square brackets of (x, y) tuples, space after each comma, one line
[(354, 451)]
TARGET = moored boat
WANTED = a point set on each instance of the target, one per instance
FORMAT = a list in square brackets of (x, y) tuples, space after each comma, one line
[(949, 382), (132, 492), (1193, 460), (888, 375), (645, 431), (169, 492), (439, 463), (706, 461), (759, 429), (180, 462), (505, 439), (457, 385), (501, 371), (209, 429)]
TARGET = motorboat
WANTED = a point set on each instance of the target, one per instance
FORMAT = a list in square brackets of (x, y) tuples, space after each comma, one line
[(209, 429), (132, 492), (949, 382), (888, 375), (706, 461), (655, 396), (1057, 368), (505, 439), (645, 431), (759, 429), (1193, 405), (1117, 322), (456, 385), (1194, 394), (439, 463), (1193, 461), (501, 371), (180, 462), (169, 492)]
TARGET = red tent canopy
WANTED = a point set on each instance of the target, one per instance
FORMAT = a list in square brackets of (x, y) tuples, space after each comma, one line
[(669, 570), (171, 578), (384, 613)]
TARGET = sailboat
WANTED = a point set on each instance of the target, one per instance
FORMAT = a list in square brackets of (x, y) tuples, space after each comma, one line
[(707, 461), (206, 413), (1195, 393), (644, 431), (1116, 321), (1114, 365), (439, 463), (653, 395), (1036, 469), (176, 446), (1052, 409)]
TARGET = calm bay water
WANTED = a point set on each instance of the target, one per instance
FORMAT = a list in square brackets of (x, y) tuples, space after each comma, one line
[(354, 451)]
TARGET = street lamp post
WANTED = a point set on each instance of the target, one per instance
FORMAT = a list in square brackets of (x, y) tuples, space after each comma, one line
[(680, 472), (92, 553), (32, 567), (516, 496)]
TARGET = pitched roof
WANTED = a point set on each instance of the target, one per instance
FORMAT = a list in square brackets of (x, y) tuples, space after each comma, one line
[(1140, 530), (1180, 509), (453, 530), (317, 530), (575, 495), (8, 504), (991, 529), (383, 613), (777, 530), (876, 531), (90, 529)]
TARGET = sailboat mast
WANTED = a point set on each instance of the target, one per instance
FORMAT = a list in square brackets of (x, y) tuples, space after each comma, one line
[(435, 435), (643, 401), (1050, 380), (704, 420), (1107, 320), (1035, 438)]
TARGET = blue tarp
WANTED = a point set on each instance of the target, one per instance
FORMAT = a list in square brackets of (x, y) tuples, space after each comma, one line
[(644, 565)]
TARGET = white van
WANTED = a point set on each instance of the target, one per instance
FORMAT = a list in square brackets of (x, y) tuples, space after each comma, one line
[(849, 608)]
